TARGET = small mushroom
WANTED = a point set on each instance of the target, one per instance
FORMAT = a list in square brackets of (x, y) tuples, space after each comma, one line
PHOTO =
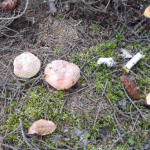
[(148, 99), (61, 74), (26, 65), (147, 12)]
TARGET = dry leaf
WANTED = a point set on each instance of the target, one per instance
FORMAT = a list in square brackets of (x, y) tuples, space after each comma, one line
[(42, 127)]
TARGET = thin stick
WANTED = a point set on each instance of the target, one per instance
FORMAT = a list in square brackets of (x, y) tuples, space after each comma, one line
[(105, 88), (128, 132), (133, 103), (24, 137)]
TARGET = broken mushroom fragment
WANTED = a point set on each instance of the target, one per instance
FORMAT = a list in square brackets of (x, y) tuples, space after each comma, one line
[(132, 62), (125, 54), (9, 4), (130, 86), (26, 65), (108, 61), (61, 74), (147, 12), (148, 99)]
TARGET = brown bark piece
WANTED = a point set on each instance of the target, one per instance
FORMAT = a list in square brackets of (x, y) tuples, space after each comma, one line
[(130, 86)]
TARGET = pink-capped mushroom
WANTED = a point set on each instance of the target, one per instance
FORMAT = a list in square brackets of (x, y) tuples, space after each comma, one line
[(26, 65), (148, 99), (61, 74), (147, 12)]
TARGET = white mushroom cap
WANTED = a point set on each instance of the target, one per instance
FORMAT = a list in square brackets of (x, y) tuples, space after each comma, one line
[(148, 99), (147, 12), (26, 65), (61, 74)]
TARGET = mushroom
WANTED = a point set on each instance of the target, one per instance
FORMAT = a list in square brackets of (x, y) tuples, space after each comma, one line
[(147, 12), (144, 102), (148, 99), (26, 65), (132, 62), (9, 4), (61, 74)]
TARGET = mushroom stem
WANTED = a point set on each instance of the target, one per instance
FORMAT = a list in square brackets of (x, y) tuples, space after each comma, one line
[(132, 62), (147, 12)]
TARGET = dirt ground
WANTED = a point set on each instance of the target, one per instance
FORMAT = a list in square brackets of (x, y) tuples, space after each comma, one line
[(100, 113)]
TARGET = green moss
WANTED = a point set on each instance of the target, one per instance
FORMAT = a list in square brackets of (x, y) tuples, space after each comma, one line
[(41, 104), (57, 51)]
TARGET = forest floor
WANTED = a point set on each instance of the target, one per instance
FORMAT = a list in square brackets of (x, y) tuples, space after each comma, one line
[(95, 114)]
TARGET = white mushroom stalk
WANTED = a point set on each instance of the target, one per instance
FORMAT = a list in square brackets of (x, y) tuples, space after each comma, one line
[(26, 65), (108, 61), (132, 62)]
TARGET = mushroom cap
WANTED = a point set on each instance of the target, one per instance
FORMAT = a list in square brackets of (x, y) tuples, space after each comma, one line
[(61, 74), (147, 12), (148, 99), (26, 65), (9, 5)]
